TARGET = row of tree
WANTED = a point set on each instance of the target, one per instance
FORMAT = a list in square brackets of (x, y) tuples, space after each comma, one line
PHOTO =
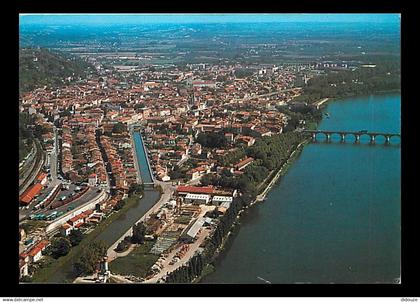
[(195, 266), (232, 157), (270, 153), (187, 273), (385, 76)]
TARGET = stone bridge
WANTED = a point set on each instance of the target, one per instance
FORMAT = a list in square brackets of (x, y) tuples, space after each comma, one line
[(355, 134)]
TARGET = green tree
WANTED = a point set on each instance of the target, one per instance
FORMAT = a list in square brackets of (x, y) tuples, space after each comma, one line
[(124, 244), (120, 205), (139, 231), (60, 247), (89, 258), (76, 236), (136, 189), (209, 179), (212, 139), (119, 128)]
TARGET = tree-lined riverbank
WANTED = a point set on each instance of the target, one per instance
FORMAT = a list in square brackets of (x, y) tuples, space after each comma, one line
[(326, 221)]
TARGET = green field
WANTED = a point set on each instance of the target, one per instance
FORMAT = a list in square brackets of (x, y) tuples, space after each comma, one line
[(137, 263)]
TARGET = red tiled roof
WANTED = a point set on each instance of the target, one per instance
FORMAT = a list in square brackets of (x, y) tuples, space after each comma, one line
[(41, 176), (244, 162), (30, 193), (192, 189), (79, 224), (75, 218), (37, 248), (66, 226), (88, 212)]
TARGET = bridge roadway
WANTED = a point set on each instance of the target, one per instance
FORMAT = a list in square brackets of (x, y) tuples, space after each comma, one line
[(356, 134)]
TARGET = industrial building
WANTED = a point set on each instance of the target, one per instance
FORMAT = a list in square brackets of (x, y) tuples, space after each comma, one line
[(197, 198), (30, 193), (184, 190), (217, 200), (192, 231)]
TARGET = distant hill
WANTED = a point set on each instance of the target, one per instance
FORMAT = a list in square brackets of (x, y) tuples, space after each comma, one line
[(40, 67)]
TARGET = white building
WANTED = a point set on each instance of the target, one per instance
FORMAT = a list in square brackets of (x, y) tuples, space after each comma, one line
[(217, 200), (197, 198), (92, 179), (66, 229), (194, 229)]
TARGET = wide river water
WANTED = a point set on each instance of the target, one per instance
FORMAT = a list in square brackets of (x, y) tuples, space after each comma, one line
[(335, 216)]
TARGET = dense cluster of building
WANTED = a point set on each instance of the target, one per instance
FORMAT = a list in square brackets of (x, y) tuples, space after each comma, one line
[(173, 108)]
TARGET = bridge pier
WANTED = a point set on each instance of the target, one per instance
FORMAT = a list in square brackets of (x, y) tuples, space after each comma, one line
[(372, 138), (314, 137), (328, 137), (387, 139), (343, 137), (357, 137)]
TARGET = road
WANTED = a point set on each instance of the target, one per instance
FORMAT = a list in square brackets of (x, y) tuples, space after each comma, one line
[(193, 248), (167, 268), (53, 159), (91, 279), (85, 198), (168, 190)]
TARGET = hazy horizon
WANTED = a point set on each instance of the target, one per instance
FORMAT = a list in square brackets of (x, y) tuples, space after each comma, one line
[(98, 19)]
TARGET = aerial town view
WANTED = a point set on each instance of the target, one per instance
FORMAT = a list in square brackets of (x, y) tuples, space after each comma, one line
[(209, 148)]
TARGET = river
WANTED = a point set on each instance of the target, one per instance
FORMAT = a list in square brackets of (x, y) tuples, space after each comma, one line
[(335, 216)]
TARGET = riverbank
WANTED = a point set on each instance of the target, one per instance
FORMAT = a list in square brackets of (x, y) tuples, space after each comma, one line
[(321, 103), (210, 268), (281, 171), (164, 197), (289, 239)]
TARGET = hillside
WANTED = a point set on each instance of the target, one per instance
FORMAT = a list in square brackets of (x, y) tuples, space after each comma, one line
[(40, 67)]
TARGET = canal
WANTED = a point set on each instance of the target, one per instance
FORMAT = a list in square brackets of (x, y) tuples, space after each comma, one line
[(145, 172), (115, 230), (335, 216)]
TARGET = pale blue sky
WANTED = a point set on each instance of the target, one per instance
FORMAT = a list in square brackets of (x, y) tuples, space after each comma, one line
[(71, 19)]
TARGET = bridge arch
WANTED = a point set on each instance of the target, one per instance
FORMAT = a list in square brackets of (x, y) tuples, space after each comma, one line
[(325, 135), (335, 136)]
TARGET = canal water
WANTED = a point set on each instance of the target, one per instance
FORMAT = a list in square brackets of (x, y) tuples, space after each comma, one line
[(141, 158), (335, 216), (115, 230)]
